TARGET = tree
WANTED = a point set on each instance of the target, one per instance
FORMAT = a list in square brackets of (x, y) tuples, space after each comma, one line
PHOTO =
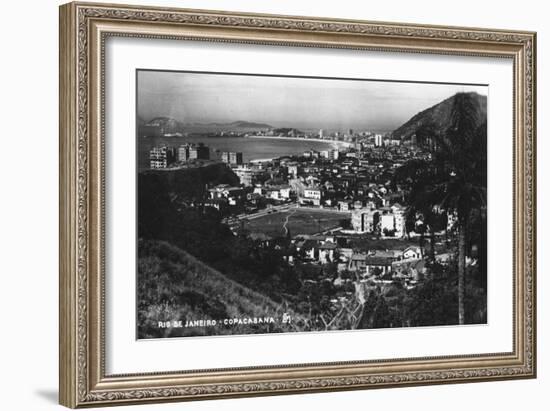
[(454, 180)]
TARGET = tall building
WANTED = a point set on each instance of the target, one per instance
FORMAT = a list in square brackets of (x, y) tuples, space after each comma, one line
[(183, 152), (321, 133), (199, 152), (365, 221), (378, 140), (161, 156), (232, 157)]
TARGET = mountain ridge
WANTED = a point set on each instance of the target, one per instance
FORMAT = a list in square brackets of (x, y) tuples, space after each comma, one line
[(437, 118)]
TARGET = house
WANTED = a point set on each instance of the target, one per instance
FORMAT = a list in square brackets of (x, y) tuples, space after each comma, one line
[(273, 193), (412, 269), (234, 195), (219, 204), (371, 264), (284, 191), (343, 206), (329, 185), (326, 252), (414, 253), (378, 265), (293, 169), (318, 248), (357, 262)]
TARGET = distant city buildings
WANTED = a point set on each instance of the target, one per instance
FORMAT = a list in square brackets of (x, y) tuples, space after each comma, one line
[(199, 152), (350, 182), (183, 152), (232, 157), (161, 157)]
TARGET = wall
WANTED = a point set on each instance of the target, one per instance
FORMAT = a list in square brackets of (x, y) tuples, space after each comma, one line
[(28, 217)]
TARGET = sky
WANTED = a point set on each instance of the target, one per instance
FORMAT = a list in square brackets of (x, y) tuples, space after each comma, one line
[(332, 104)]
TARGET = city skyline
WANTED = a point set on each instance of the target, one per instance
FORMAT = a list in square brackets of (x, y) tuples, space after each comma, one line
[(332, 104)]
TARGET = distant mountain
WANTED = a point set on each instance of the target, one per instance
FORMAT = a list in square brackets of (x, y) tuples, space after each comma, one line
[(248, 124), (159, 126), (436, 119), (235, 125)]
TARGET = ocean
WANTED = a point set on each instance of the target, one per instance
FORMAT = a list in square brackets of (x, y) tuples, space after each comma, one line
[(252, 148)]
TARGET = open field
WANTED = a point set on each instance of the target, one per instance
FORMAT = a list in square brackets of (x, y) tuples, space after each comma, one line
[(297, 220)]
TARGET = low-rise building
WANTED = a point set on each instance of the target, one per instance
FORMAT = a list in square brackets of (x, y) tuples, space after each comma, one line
[(368, 264), (343, 206), (412, 253), (249, 175)]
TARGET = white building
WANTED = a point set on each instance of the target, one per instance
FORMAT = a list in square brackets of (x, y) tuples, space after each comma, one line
[(311, 196), (387, 222), (312, 193), (343, 206), (248, 176), (412, 253), (400, 220), (452, 218)]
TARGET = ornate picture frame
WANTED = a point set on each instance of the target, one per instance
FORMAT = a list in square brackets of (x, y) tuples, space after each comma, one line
[(84, 29)]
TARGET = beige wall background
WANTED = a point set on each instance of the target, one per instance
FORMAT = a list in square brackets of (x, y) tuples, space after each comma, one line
[(29, 189)]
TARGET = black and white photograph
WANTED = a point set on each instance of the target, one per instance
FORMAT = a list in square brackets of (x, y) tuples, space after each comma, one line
[(278, 204)]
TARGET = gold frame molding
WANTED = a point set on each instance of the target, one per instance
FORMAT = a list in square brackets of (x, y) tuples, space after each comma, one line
[(83, 30)]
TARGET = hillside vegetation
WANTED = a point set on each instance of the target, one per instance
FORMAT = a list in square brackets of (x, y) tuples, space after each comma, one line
[(174, 285)]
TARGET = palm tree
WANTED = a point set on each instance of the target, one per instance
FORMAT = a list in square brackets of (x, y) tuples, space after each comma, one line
[(454, 179)]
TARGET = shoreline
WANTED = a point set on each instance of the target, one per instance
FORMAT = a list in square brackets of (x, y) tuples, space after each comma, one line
[(315, 140)]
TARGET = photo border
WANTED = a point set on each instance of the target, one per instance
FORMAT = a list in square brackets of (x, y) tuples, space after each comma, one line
[(282, 76)]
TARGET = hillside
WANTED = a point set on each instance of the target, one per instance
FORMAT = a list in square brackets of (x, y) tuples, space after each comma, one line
[(158, 126), (186, 182), (174, 285), (437, 119)]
